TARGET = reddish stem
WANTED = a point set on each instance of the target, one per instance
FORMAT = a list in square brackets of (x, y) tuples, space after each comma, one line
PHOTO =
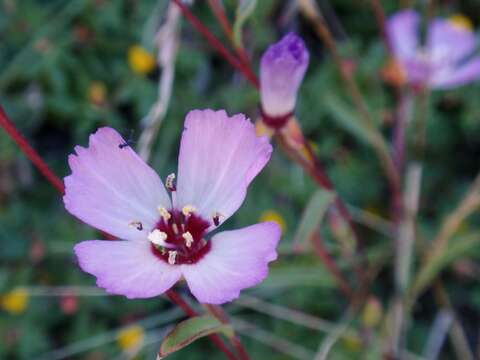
[(323, 253), (221, 315), (246, 70), (42, 166), (29, 151), (219, 13)]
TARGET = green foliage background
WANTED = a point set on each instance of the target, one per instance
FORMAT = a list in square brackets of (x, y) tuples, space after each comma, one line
[(50, 54)]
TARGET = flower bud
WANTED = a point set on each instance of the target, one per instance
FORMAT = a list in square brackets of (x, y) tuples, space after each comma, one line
[(282, 69)]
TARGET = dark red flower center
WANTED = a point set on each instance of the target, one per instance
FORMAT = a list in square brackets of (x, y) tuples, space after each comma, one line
[(183, 235)]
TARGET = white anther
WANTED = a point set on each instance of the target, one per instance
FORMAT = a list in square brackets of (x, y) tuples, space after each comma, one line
[(188, 239), (137, 225), (188, 210), (170, 182), (164, 213), (158, 237), (172, 255)]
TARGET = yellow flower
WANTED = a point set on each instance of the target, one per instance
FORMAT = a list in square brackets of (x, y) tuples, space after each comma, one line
[(272, 215), (461, 21), (352, 341), (131, 338), (140, 60), (16, 301), (372, 313), (97, 93)]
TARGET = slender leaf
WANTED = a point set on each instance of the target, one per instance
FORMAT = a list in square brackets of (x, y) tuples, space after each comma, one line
[(190, 330), (459, 247), (313, 215), (244, 11), (347, 119)]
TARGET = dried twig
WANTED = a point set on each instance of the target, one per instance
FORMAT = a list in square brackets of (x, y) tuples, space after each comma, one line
[(167, 40)]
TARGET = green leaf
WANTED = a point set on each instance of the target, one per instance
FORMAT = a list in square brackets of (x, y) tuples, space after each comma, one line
[(312, 215), (244, 11), (347, 119), (458, 248), (190, 330)]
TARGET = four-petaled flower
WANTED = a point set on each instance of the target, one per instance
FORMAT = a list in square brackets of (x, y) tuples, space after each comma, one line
[(114, 190), (282, 69), (445, 61)]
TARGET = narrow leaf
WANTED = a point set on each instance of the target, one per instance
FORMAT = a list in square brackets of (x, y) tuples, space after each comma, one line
[(190, 330), (347, 119), (459, 247), (312, 216), (244, 11)]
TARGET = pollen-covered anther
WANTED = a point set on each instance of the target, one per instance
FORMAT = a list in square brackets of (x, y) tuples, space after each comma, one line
[(188, 239), (170, 182), (164, 213), (172, 256), (188, 210), (137, 225), (158, 238), (217, 217)]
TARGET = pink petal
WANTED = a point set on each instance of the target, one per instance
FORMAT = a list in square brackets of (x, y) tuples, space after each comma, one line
[(237, 260), (403, 32), (219, 157), (451, 77), (111, 187), (126, 267), (449, 43)]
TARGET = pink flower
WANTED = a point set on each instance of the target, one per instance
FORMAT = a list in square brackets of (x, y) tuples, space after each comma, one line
[(114, 190), (282, 69), (445, 61)]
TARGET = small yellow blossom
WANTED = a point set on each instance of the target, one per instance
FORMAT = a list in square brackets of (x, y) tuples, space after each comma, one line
[(140, 60), (97, 93), (372, 313), (131, 338), (16, 301), (352, 342), (461, 21), (272, 215)]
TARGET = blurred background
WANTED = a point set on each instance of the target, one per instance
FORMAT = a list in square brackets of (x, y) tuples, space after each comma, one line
[(69, 67)]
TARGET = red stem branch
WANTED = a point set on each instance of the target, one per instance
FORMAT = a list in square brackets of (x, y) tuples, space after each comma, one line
[(212, 39), (219, 13), (30, 152), (323, 253), (45, 170)]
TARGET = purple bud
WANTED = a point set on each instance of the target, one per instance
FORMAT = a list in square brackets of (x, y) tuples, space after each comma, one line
[(282, 69)]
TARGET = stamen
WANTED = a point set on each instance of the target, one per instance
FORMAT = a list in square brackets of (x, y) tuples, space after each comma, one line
[(137, 225), (175, 228), (158, 238), (164, 213), (172, 255), (188, 210), (217, 217), (188, 239), (170, 182)]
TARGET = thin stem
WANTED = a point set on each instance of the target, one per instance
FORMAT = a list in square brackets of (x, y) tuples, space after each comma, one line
[(212, 39), (330, 263), (219, 12), (30, 152), (316, 171), (42, 166), (380, 16), (311, 11), (221, 315)]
